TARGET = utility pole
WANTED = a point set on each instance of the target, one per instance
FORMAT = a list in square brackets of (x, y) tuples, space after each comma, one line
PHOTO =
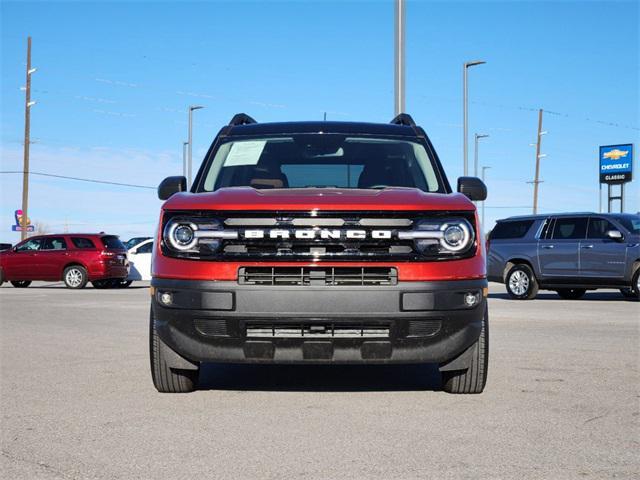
[(27, 131), (399, 72), (536, 180)]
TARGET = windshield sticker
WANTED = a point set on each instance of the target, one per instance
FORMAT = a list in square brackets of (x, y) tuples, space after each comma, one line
[(245, 153)]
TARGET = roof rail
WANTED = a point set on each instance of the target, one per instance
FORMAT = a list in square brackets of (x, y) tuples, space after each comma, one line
[(241, 119), (403, 119)]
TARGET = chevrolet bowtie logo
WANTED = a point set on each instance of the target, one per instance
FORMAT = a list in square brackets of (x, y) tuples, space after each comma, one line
[(616, 154)]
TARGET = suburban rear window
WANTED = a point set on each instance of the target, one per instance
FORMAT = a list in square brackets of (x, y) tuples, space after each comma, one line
[(82, 242), (514, 229), (111, 242)]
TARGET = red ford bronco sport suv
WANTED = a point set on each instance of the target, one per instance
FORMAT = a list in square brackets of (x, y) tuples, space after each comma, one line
[(319, 242)]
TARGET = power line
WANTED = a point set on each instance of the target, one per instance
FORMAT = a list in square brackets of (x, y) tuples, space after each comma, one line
[(90, 180)]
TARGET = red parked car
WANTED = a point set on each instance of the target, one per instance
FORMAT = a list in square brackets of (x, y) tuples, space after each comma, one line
[(73, 258)]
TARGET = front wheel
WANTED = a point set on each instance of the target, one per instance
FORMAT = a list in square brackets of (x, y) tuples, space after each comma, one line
[(521, 282), (124, 283), (571, 293), (21, 283), (75, 277), (474, 378)]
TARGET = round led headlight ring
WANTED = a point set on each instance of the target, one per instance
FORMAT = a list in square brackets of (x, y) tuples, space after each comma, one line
[(181, 235), (456, 236)]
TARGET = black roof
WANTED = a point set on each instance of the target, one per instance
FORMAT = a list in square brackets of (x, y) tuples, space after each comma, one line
[(325, 127)]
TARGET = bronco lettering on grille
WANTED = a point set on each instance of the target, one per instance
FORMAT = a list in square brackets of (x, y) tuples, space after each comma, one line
[(311, 234)]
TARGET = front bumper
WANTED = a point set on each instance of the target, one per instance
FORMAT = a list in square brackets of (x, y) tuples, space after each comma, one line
[(411, 322)]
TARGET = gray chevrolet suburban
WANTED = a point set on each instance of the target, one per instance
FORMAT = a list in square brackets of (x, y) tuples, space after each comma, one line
[(569, 253)]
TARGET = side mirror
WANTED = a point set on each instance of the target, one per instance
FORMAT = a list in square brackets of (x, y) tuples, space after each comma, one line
[(473, 188), (171, 185), (614, 235)]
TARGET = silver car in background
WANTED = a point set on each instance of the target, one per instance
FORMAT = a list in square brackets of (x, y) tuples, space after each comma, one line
[(569, 253)]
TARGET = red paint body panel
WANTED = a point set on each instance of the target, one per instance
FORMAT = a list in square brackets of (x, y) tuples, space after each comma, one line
[(331, 200)]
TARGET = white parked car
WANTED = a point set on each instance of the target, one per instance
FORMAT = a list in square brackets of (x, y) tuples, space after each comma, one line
[(140, 261)]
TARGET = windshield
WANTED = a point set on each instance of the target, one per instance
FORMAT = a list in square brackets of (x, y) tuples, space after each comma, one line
[(132, 242), (630, 222), (321, 161)]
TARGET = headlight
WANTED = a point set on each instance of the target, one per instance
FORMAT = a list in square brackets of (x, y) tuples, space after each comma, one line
[(441, 237), (456, 236), (181, 235), (193, 236)]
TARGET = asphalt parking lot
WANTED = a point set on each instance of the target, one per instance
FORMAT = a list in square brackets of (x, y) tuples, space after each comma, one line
[(562, 401)]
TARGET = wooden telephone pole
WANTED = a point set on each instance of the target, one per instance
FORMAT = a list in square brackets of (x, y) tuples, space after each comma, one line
[(27, 141), (536, 180)]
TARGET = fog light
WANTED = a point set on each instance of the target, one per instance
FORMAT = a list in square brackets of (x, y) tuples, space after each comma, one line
[(166, 298), (471, 299)]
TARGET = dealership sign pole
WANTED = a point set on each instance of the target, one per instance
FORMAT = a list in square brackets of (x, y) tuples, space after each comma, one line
[(616, 168)]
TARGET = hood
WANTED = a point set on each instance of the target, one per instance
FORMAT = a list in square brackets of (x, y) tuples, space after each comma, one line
[(304, 199)]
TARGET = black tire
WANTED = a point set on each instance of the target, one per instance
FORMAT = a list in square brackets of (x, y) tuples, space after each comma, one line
[(21, 283), (634, 291), (521, 282), (124, 283), (571, 293), (102, 284), (75, 277), (474, 379), (165, 378)]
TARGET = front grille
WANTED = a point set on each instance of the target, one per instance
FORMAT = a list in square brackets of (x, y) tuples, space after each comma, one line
[(377, 240), (318, 276), (367, 248), (316, 330)]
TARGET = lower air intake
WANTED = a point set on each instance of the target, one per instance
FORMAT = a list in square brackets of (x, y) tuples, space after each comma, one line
[(316, 330), (322, 276)]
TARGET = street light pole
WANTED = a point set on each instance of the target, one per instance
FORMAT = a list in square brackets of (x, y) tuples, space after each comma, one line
[(484, 169), (190, 141), (477, 136), (399, 77), (465, 111), (184, 159)]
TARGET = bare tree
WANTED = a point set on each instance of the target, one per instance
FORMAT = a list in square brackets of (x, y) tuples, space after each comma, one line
[(41, 228)]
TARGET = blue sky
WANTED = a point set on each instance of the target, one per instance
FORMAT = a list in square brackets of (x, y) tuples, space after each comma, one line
[(114, 81)]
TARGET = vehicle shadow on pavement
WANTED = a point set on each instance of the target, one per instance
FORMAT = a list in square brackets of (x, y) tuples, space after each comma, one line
[(61, 285), (320, 378), (589, 296)]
